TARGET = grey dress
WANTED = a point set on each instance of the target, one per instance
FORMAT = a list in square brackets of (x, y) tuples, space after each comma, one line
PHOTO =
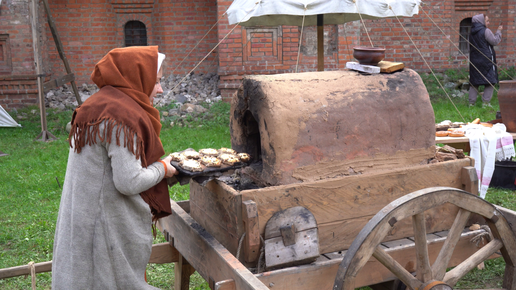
[(103, 235)]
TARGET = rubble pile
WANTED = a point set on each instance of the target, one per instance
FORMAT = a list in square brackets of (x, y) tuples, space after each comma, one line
[(194, 90)]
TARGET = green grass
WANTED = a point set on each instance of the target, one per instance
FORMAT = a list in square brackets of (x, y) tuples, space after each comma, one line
[(32, 173)]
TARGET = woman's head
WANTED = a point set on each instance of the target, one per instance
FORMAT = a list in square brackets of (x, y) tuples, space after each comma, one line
[(131, 69)]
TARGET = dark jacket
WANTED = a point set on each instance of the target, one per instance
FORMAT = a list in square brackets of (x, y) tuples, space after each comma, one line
[(482, 56)]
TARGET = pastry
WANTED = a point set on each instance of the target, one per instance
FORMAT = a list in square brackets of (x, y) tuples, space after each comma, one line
[(191, 154), (224, 150), (209, 152), (210, 161), (229, 159), (177, 157), (456, 134), (442, 133), (244, 157), (191, 165)]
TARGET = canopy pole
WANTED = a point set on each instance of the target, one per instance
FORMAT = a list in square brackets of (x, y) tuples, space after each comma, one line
[(320, 42)]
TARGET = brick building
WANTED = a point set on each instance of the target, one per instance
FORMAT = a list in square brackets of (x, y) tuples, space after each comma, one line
[(188, 31)]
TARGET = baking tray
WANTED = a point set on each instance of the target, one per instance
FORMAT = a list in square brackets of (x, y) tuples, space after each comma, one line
[(207, 171)]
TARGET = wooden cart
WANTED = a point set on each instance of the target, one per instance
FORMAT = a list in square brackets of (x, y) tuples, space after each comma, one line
[(402, 226)]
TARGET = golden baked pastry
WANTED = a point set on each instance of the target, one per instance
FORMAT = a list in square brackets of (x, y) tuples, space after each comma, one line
[(191, 165), (229, 159), (442, 133), (244, 157), (209, 152), (210, 161), (191, 154), (224, 150), (456, 134), (177, 157)]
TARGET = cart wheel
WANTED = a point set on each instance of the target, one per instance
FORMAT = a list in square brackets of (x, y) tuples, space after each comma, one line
[(434, 277)]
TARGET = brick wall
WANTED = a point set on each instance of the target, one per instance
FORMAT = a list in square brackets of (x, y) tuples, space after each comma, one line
[(90, 28)]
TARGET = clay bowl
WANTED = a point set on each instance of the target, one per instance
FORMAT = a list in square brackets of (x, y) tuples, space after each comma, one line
[(368, 55)]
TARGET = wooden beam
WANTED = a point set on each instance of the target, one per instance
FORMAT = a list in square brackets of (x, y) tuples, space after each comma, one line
[(161, 254), (25, 270), (252, 230), (55, 83), (208, 257)]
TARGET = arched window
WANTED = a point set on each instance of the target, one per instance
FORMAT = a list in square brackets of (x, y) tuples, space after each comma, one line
[(135, 33), (464, 30)]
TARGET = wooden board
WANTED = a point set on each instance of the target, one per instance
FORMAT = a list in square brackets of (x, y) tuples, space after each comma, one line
[(204, 253), (321, 275), (389, 67), (218, 208), (161, 254), (342, 206)]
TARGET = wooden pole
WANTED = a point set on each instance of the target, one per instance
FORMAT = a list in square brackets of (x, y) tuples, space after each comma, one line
[(320, 42), (44, 135), (60, 49)]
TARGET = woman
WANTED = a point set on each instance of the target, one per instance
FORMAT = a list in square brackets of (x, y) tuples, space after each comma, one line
[(115, 181), (482, 68)]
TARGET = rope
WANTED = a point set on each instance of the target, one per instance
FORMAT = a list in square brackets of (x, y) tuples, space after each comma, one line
[(262, 254), (240, 246), (32, 269), (484, 237), (427, 64), (467, 57), (362, 20), (300, 38), (452, 29)]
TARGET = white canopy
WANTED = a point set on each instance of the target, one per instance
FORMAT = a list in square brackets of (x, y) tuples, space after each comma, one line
[(6, 120), (290, 12)]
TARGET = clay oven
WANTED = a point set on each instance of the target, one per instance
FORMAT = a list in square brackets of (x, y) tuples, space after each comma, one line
[(312, 126)]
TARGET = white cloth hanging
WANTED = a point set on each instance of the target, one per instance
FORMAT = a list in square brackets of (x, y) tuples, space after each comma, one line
[(6, 120), (487, 146), (292, 12)]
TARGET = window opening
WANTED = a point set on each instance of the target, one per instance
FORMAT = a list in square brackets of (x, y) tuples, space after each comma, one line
[(464, 30), (135, 33)]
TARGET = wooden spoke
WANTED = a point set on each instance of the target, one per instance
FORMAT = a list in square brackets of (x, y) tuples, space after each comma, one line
[(424, 271), (396, 268), (452, 277), (441, 263)]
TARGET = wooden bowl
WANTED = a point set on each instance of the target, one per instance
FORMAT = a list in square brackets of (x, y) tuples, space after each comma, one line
[(369, 55)]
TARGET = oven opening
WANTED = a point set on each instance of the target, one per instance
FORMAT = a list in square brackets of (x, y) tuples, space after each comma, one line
[(252, 133)]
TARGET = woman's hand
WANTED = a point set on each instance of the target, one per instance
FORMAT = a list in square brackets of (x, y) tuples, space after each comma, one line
[(171, 170), (500, 27)]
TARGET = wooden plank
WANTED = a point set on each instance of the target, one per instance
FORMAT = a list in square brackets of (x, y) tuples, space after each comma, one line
[(206, 255), (163, 253), (25, 270), (55, 83), (470, 179), (321, 275), (252, 238), (342, 206), (389, 67), (217, 207)]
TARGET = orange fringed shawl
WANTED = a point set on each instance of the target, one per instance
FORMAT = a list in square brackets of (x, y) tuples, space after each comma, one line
[(126, 78)]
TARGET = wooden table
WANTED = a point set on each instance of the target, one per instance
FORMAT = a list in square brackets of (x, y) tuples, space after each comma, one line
[(459, 142)]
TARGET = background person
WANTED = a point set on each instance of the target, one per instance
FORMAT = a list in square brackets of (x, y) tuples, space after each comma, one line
[(114, 184), (482, 56)]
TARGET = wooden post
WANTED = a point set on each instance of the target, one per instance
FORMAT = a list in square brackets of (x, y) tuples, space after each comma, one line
[(182, 272), (60, 49), (320, 42), (44, 135)]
